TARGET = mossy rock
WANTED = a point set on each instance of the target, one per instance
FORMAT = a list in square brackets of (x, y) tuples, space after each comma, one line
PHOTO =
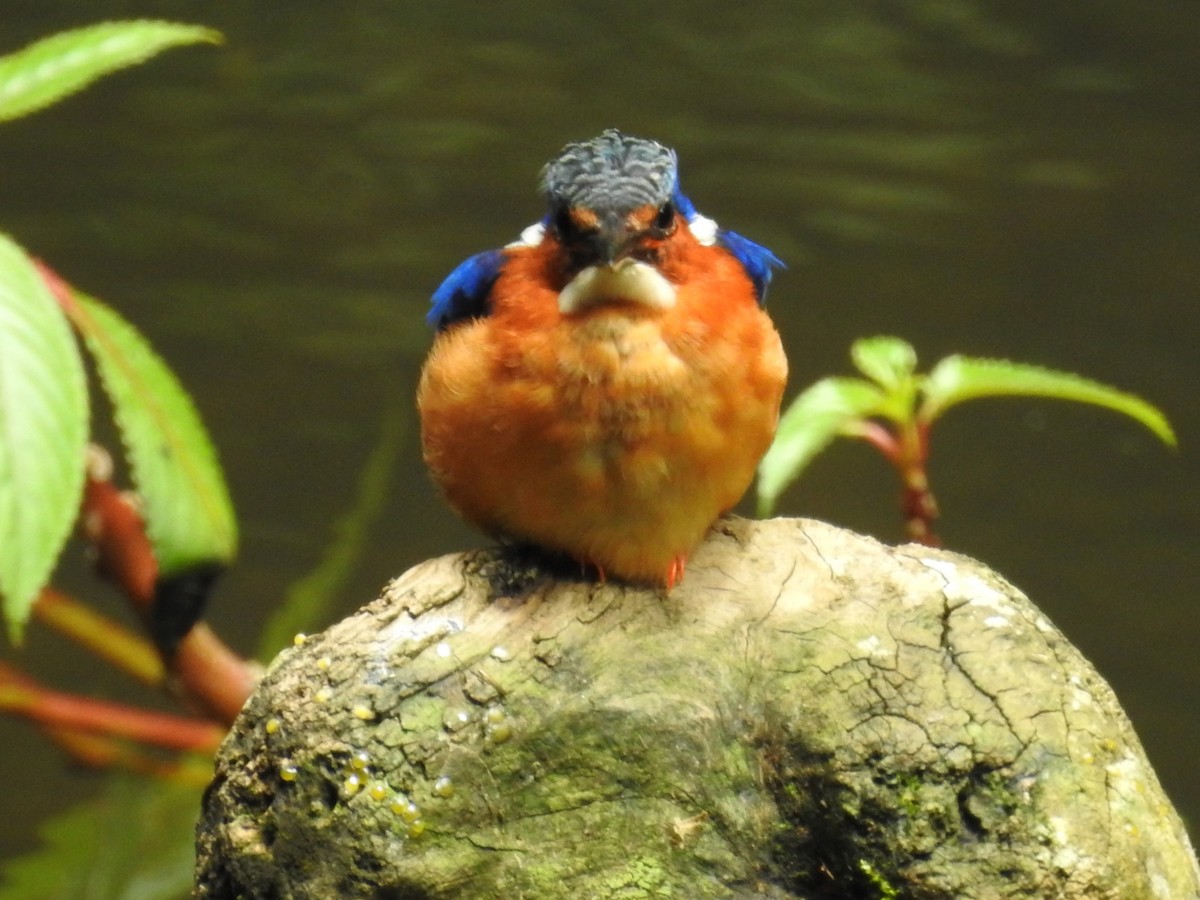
[(809, 714)]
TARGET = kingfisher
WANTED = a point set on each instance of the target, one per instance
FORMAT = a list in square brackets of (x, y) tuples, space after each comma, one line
[(605, 385)]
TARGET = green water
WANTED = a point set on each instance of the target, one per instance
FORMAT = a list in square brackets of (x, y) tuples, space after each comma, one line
[(1014, 179)]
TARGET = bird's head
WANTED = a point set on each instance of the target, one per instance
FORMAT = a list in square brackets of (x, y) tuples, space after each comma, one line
[(612, 207), (617, 233)]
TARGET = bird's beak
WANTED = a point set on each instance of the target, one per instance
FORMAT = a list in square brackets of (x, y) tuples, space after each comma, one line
[(616, 276), (612, 240)]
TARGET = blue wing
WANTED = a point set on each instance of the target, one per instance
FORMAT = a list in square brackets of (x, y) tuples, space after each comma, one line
[(756, 259), (684, 204), (464, 293)]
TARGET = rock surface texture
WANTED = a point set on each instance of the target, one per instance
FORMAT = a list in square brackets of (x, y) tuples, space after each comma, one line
[(809, 714)]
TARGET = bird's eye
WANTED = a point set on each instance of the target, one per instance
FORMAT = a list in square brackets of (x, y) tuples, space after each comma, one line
[(664, 219), (564, 226)]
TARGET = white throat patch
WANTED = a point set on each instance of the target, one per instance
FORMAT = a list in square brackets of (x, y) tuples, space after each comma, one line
[(627, 280)]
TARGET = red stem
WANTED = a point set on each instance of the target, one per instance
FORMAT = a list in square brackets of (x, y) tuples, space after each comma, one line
[(209, 676), (102, 752), (882, 439), (214, 679), (111, 522), (22, 696), (918, 503)]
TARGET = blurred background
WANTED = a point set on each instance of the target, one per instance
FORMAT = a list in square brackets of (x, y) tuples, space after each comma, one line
[(1014, 179)]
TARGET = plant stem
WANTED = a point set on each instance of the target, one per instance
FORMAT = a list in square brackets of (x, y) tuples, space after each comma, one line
[(112, 524), (23, 696), (113, 643), (209, 675), (101, 752), (881, 438), (918, 503), (906, 446), (212, 676)]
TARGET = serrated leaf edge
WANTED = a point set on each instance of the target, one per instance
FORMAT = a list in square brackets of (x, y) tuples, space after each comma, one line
[(200, 462), (1054, 384), (23, 90), (20, 590)]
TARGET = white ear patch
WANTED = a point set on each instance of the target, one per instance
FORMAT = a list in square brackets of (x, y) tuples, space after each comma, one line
[(530, 237), (625, 281), (703, 229)]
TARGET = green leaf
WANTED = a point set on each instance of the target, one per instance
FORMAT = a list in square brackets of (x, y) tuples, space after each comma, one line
[(55, 67), (309, 599), (827, 409), (888, 361), (132, 842), (43, 432), (189, 517), (959, 378)]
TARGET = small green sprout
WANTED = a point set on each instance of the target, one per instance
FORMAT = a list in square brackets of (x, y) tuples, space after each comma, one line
[(894, 408), (885, 888)]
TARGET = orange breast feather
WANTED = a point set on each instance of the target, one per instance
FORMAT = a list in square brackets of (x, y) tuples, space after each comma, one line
[(617, 436)]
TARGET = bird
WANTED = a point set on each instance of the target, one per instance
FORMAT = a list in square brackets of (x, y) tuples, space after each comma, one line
[(604, 386)]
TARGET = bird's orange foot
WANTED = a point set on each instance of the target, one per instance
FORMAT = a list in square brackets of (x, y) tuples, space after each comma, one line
[(675, 570)]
